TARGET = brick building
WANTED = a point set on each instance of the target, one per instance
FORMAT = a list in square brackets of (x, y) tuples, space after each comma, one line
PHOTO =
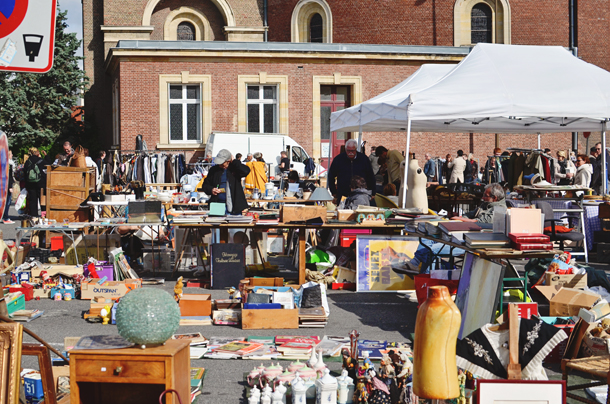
[(175, 70)]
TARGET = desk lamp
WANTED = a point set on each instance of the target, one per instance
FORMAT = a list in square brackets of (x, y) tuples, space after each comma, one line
[(320, 195)]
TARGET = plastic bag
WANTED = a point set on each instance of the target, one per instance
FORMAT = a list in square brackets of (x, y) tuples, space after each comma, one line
[(21, 199)]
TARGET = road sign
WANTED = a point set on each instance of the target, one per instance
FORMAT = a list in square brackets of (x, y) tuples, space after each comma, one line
[(27, 35)]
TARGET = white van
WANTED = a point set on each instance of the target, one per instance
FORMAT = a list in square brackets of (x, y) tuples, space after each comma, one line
[(271, 145)]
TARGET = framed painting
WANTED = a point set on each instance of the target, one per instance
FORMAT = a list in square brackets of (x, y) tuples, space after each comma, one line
[(521, 392), (375, 256), (11, 335)]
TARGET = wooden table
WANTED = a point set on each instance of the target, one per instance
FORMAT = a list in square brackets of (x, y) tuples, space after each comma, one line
[(130, 375), (224, 233)]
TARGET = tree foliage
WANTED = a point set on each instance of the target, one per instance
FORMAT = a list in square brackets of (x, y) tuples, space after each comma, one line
[(35, 109)]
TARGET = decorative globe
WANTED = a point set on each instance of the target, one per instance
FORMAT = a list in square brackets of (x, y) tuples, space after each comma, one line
[(147, 316)]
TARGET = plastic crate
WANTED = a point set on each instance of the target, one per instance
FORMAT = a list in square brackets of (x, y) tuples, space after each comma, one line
[(25, 288), (17, 304), (57, 243)]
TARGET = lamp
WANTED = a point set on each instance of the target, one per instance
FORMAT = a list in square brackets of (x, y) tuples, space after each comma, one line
[(320, 194)]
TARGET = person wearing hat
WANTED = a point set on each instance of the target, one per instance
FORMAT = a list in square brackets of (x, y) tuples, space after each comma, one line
[(564, 169), (223, 182)]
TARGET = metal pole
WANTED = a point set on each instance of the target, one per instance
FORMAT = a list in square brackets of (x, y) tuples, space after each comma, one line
[(360, 130), (604, 168), (404, 184), (538, 140), (330, 153)]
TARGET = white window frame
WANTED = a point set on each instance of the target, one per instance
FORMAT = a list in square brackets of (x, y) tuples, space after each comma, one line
[(184, 102), (261, 102)]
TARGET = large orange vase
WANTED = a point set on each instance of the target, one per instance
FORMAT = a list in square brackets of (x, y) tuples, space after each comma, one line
[(436, 330)]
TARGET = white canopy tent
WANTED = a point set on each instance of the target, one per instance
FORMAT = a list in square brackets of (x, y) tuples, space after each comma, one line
[(505, 89)]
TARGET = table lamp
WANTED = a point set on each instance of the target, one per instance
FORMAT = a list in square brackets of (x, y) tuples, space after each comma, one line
[(320, 195)]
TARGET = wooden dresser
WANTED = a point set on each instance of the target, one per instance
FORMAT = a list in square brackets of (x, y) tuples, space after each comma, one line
[(130, 375)]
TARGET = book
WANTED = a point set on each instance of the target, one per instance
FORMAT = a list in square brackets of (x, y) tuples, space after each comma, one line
[(227, 303), (195, 338), (286, 299), (227, 316), (533, 246), (228, 265), (239, 347), (261, 339), (529, 238), (298, 346), (197, 352), (431, 228), (268, 351), (312, 313), (25, 316), (282, 339), (373, 348), (195, 320), (257, 306), (486, 238), (197, 376), (453, 226), (329, 347)]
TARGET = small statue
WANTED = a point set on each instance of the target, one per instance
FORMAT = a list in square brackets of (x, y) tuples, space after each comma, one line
[(361, 394), (366, 362), (105, 314), (350, 364), (462, 383), (178, 289)]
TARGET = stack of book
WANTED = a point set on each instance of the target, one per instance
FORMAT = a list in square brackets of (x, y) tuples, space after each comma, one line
[(454, 230), (530, 241), (237, 349), (238, 219), (268, 219), (298, 347), (486, 240), (26, 315), (314, 317)]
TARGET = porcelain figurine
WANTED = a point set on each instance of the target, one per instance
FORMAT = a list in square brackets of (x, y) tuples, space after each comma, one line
[(309, 377), (436, 330), (299, 391), (282, 389), (266, 395), (350, 364), (345, 394), (361, 394), (320, 366), (416, 185), (313, 359), (295, 366), (255, 396), (326, 389)]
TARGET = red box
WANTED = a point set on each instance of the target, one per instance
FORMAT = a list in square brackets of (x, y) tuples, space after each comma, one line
[(348, 236), (423, 282), (57, 243), (343, 286), (25, 288), (526, 310)]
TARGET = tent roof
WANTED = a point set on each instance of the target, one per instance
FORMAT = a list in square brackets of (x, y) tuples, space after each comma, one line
[(507, 89), (391, 102)]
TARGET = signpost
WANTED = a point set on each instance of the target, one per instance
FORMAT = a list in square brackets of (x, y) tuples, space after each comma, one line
[(27, 35)]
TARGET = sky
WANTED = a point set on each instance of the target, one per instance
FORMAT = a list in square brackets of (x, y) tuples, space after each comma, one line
[(75, 20)]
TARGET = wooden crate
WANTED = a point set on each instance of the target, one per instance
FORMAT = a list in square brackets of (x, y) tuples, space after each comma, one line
[(196, 305), (264, 282), (301, 213), (267, 319), (67, 188)]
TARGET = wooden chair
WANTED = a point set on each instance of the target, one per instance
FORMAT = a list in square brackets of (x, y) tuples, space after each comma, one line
[(597, 367), (383, 201)]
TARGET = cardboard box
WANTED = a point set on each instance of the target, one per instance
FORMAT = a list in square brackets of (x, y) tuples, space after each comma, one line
[(346, 214), (110, 290), (195, 305), (578, 281), (42, 293), (522, 220), (68, 270), (566, 301), (594, 345), (302, 213), (265, 319)]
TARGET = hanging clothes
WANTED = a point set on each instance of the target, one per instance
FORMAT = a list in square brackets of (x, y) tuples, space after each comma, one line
[(257, 177)]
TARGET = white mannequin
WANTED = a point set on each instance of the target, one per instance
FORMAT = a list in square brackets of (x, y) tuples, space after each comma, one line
[(416, 184)]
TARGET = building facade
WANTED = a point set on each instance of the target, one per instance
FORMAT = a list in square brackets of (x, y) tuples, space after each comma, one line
[(176, 70)]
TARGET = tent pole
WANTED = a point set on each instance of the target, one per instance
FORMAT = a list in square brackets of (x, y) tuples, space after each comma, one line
[(539, 140), (404, 184), (360, 131), (604, 168)]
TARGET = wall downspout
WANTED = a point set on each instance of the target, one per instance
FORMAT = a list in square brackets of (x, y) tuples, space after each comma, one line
[(574, 49), (265, 38)]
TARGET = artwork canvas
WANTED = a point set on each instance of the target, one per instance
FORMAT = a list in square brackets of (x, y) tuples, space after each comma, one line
[(478, 292), (375, 256), (521, 391)]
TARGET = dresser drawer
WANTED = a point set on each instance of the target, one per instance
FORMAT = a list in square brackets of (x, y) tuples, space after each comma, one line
[(113, 369)]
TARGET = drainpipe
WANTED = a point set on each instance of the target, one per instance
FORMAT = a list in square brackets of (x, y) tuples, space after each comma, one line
[(574, 49), (265, 20)]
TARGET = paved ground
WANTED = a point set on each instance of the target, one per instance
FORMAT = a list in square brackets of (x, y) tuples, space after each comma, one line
[(375, 315)]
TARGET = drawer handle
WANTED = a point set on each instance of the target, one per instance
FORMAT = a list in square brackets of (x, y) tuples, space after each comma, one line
[(118, 370)]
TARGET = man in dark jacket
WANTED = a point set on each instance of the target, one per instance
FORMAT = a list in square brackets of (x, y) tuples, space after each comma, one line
[(223, 182), (34, 181), (344, 167)]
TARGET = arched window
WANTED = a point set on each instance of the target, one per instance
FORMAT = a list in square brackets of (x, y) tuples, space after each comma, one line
[(185, 31), (316, 29), (480, 24)]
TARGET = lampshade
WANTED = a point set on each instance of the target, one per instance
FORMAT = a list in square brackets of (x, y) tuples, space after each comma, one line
[(320, 195)]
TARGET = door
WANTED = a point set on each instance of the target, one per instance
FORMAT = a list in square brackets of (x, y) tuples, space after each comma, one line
[(332, 98)]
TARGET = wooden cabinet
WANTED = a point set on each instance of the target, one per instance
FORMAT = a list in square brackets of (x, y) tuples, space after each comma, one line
[(67, 188), (130, 375)]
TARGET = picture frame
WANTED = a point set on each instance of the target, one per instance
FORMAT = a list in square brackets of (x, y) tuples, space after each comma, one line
[(478, 292), (11, 335), (521, 392), (375, 256)]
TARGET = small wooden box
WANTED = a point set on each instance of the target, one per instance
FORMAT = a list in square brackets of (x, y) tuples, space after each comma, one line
[(302, 213), (604, 210), (265, 319), (264, 282), (196, 305)]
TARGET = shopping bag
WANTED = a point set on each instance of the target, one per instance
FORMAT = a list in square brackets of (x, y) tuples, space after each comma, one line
[(21, 199)]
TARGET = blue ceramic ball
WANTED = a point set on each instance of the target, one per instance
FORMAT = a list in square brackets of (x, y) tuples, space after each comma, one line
[(147, 316)]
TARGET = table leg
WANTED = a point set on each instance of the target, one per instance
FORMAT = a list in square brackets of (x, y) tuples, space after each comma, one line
[(302, 248)]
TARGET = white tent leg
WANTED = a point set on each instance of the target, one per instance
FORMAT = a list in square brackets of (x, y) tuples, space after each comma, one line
[(404, 184), (360, 132), (538, 140), (604, 169)]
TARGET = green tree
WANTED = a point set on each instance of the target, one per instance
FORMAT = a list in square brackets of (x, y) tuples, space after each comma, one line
[(35, 109)]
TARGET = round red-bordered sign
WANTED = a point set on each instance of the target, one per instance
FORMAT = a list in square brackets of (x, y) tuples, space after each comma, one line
[(9, 23)]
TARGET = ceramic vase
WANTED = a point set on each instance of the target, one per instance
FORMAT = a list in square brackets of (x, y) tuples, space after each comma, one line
[(326, 389), (298, 391), (255, 396), (416, 185), (436, 330), (313, 359)]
